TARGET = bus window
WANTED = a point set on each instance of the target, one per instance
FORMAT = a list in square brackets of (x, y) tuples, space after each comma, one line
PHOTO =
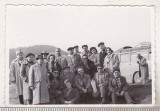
[(125, 58)]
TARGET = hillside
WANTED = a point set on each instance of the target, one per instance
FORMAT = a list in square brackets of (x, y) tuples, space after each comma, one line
[(37, 49)]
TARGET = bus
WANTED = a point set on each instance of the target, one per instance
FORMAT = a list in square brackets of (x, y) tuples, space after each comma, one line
[(128, 61)]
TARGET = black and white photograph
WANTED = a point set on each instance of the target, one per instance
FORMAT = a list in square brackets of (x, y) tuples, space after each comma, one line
[(81, 55)]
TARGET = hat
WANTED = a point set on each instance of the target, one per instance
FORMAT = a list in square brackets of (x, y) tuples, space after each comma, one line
[(30, 54), (76, 46), (39, 57), (70, 48), (101, 43), (44, 52), (116, 70), (18, 52), (66, 67), (84, 46)]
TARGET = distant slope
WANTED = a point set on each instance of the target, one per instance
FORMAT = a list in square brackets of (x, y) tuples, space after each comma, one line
[(37, 49)]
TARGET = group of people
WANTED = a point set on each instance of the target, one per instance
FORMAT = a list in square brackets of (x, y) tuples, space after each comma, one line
[(76, 78)]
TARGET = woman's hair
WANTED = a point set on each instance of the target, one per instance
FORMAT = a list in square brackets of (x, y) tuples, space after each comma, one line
[(50, 56), (92, 49), (109, 49)]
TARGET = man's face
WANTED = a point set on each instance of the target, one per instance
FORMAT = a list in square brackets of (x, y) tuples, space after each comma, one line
[(40, 61), (76, 49), (116, 73), (30, 58), (71, 52), (102, 47), (58, 52), (20, 56), (85, 58), (80, 71), (68, 85), (85, 48), (99, 69), (55, 74)]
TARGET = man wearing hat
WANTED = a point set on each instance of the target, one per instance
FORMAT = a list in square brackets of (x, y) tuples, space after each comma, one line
[(15, 74), (67, 74), (73, 60), (119, 87), (85, 50), (45, 54), (76, 50), (39, 82), (24, 72), (60, 59), (100, 81), (102, 54)]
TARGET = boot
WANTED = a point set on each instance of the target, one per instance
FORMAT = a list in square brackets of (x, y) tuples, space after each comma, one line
[(21, 99)]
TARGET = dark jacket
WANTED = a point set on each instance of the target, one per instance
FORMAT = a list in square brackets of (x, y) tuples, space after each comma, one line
[(113, 86), (101, 57), (73, 96), (90, 68)]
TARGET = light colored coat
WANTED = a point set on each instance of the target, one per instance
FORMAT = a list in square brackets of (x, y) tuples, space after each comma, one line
[(38, 78), (74, 62), (27, 92), (111, 62), (15, 75)]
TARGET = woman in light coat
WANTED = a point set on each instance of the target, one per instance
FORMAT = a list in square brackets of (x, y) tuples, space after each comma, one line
[(39, 82)]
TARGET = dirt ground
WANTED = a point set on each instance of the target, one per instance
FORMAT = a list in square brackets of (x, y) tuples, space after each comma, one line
[(141, 94)]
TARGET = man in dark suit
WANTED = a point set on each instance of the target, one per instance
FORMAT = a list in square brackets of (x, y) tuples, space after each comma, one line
[(70, 95), (102, 54), (73, 60), (118, 86), (89, 66)]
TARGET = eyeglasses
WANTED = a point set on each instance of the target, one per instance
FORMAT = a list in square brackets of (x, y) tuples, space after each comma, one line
[(80, 71)]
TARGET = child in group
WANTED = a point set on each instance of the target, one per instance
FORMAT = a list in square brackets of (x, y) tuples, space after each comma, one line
[(54, 91)]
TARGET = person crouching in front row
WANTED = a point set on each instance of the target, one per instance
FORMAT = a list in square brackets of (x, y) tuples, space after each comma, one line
[(100, 83), (69, 95), (118, 86), (83, 83), (38, 81)]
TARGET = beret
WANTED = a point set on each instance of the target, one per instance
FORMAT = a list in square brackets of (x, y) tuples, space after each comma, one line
[(101, 43), (100, 65), (84, 46), (70, 48), (30, 54), (116, 70)]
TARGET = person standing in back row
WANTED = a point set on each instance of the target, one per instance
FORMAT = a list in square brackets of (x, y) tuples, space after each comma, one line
[(24, 72), (73, 60), (15, 74), (102, 54)]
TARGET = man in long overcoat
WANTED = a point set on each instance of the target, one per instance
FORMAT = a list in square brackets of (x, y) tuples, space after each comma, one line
[(39, 82), (15, 74), (24, 72)]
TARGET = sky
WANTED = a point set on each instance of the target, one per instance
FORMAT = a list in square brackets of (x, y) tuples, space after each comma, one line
[(66, 26)]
